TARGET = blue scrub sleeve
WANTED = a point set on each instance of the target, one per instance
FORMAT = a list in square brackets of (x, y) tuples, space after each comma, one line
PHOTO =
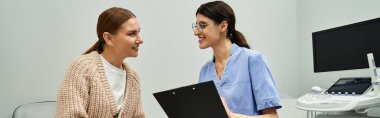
[(263, 86)]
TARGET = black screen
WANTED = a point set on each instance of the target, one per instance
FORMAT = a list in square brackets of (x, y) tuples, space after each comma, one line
[(350, 85), (346, 47)]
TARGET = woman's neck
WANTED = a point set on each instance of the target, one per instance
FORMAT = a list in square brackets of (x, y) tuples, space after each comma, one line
[(222, 51), (112, 59)]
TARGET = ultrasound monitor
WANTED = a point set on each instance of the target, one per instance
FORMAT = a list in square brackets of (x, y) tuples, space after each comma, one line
[(346, 47)]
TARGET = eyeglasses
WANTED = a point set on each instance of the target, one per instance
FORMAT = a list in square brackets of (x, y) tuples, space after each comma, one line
[(199, 26)]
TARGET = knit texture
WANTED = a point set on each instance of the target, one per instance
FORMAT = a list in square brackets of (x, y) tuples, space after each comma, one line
[(86, 93)]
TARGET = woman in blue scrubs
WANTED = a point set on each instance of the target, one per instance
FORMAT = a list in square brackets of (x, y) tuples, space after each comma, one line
[(241, 75)]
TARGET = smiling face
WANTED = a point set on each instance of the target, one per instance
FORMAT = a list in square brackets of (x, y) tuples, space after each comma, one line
[(126, 42), (207, 31)]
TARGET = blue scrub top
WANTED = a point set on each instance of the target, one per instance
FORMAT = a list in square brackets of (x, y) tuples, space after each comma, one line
[(247, 84)]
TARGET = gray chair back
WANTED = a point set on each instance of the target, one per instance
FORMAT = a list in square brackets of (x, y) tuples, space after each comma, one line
[(45, 109)]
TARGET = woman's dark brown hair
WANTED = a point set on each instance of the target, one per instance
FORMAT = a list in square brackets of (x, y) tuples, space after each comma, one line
[(220, 11), (109, 21)]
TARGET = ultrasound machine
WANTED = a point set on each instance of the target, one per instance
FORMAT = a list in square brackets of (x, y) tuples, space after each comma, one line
[(341, 49)]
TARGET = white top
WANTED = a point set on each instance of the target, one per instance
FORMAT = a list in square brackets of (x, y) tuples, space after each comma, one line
[(116, 78)]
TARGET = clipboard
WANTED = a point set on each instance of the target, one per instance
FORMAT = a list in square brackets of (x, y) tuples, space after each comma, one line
[(194, 101)]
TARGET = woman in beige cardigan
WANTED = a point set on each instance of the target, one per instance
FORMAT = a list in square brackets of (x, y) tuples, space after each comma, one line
[(98, 84)]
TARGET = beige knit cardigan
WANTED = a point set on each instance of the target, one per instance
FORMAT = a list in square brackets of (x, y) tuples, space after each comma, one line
[(86, 93)]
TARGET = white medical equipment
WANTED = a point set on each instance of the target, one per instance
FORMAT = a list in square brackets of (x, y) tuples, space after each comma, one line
[(374, 74), (347, 94)]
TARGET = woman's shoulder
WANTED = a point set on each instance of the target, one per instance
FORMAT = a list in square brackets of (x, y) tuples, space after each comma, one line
[(85, 59), (255, 57), (82, 66), (251, 53), (244, 52)]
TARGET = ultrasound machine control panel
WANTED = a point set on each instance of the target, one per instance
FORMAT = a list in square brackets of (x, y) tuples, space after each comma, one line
[(344, 95)]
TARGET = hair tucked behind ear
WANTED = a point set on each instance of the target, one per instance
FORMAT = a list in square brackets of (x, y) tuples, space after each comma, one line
[(219, 11), (109, 21)]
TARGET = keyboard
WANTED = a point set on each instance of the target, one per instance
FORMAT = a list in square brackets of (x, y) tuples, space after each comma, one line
[(314, 97), (320, 101)]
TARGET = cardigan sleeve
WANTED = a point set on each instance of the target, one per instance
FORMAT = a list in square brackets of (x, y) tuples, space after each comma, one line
[(73, 94)]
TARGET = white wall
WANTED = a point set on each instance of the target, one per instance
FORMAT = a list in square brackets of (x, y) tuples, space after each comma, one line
[(39, 39), (317, 15)]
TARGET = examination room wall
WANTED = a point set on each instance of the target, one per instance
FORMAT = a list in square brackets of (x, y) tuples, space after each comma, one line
[(40, 38), (317, 15)]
